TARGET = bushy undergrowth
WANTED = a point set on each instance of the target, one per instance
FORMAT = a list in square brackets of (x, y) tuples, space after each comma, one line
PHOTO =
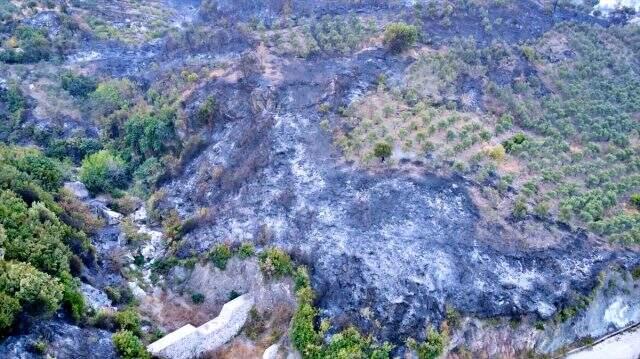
[(308, 339), (36, 244)]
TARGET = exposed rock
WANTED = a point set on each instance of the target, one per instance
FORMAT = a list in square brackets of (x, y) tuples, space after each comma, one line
[(63, 341), (78, 189), (271, 352), (138, 292), (112, 217), (96, 298), (153, 248)]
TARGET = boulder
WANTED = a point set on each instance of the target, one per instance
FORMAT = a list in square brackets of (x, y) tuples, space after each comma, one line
[(78, 189)]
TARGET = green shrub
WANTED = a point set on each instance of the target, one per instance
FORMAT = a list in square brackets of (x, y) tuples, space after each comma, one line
[(147, 175), (15, 104), (78, 85), (220, 255), (246, 250), (37, 292), (432, 347), (348, 343), (519, 209), (400, 36), (275, 263), (103, 172), (129, 346), (40, 346), (34, 234), (635, 200), (128, 320), (75, 148), (197, 298), (43, 169), (9, 309), (382, 150), (301, 278), (72, 299), (514, 142), (104, 319), (206, 113)]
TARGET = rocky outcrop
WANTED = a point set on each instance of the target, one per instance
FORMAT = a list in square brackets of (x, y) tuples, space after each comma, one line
[(63, 340), (189, 341)]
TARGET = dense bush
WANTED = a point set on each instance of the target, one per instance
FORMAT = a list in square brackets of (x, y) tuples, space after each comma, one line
[(197, 298), (129, 320), (9, 309), (111, 96), (206, 113), (72, 299), (12, 109), (78, 85), (43, 169), (400, 36), (149, 135), (246, 250), (432, 347), (103, 172), (27, 45), (36, 292), (220, 255), (635, 200), (129, 345), (382, 150), (34, 234), (75, 148), (348, 343), (275, 263), (36, 241)]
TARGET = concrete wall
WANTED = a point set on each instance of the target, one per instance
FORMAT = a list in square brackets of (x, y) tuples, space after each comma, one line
[(189, 341)]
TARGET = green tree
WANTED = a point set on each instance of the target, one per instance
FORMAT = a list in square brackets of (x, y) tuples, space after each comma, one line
[(399, 36), (103, 172)]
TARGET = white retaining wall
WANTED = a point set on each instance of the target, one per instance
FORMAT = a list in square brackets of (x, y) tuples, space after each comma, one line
[(189, 342)]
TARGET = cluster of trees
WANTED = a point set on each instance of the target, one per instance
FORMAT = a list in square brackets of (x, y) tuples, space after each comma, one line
[(587, 125), (39, 250)]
